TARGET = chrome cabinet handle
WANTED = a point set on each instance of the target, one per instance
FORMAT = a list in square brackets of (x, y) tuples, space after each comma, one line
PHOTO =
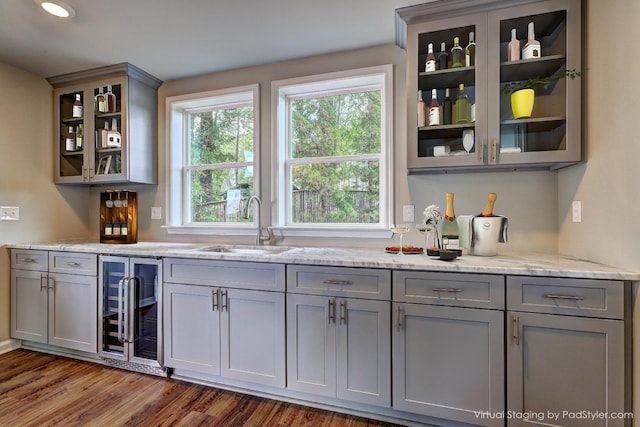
[(120, 309), (343, 312), (450, 290), (91, 174), (126, 283), (43, 283), (516, 329), (214, 299), (332, 310), (400, 316), (494, 151), (29, 260), (569, 297), (336, 282), (73, 264), (225, 300)]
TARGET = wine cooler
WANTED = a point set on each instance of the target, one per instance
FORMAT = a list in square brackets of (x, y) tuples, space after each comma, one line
[(131, 313)]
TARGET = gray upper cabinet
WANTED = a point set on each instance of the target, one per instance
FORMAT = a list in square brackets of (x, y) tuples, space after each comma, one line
[(89, 153), (551, 138)]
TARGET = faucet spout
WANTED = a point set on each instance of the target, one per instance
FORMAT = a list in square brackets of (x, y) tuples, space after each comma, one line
[(259, 237)]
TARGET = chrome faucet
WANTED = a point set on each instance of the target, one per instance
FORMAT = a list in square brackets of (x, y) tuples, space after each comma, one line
[(259, 236)]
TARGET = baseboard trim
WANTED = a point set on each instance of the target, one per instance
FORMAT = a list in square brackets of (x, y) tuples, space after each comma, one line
[(9, 345)]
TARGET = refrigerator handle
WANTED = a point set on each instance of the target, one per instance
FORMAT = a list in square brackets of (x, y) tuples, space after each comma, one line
[(120, 309), (126, 282)]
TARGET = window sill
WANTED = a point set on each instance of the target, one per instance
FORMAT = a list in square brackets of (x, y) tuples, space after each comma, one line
[(336, 232), (204, 230)]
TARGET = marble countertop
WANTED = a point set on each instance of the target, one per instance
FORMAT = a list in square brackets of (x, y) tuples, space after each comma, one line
[(530, 264)]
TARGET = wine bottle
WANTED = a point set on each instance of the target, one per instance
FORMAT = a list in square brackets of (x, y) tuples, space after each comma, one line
[(108, 228), (116, 227), (101, 106), (470, 51), (450, 234), (456, 54), (434, 109), (124, 226), (488, 208), (430, 63), (70, 140), (443, 57), (462, 106), (110, 100), (422, 111), (76, 109), (79, 137), (513, 50), (532, 48), (446, 108)]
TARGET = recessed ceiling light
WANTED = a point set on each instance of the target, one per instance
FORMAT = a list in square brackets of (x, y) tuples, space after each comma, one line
[(57, 8)]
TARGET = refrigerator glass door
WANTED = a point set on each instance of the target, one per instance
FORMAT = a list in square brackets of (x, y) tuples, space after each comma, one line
[(113, 309), (145, 312)]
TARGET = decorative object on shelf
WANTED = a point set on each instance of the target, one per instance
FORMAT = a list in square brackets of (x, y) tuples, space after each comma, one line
[(522, 92), (432, 217)]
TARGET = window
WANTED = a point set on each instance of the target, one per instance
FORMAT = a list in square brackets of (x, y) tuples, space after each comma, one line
[(333, 159), (212, 146)]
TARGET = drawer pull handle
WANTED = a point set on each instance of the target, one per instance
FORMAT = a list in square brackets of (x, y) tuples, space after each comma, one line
[(450, 290), (73, 264), (400, 316), (516, 329), (337, 282), (29, 260), (343, 312), (332, 310), (569, 297)]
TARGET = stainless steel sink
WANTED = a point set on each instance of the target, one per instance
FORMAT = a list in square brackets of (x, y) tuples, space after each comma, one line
[(246, 250)]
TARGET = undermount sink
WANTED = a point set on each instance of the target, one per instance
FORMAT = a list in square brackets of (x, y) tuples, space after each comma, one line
[(246, 250)]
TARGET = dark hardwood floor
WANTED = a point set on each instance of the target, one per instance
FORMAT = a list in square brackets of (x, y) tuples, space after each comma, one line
[(42, 390)]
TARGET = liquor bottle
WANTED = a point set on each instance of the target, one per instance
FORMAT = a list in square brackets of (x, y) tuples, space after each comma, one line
[(110, 100), (443, 57), (457, 56), (434, 109), (450, 234), (488, 208), (446, 108), (70, 140), (422, 111), (102, 136), (76, 109), (114, 138), (430, 63), (513, 50), (532, 48), (101, 106), (462, 106), (79, 137), (470, 51)]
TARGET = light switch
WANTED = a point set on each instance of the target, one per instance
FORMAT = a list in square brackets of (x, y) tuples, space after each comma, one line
[(407, 213), (576, 211), (156, 212), (9, 213)]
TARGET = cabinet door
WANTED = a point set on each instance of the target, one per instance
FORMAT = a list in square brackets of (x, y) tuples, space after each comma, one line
[(29, 305), (191, 328), (73, 164), (564, 365), (364, 351), (73, 312), (311, 344), (448, 362), (252, 337)]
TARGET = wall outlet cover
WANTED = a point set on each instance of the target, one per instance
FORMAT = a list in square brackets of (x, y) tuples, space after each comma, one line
[(9, 213), (156, 212)]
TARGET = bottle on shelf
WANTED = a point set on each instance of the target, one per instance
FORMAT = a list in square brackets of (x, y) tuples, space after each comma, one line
[(462, 106), (108, 228), (470, 51), (446, 109), (114, 139), (450, 234), (430, 63), (422, 111), (434, 109), (532, 48), (101, 106), (488, 208), (513, 49), (79, 137), (443, 57), (76, 109), (102, 136), (124, 226), (116, 227), (457, 56), (110, 100), (70, 140)]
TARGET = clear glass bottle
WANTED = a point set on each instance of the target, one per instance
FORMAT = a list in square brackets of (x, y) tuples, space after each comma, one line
[(457, 56), (531, 50), (79, 137), (513, 50), (462, 106), (470, 51), (76, 110), (430, 63), (101, 106), (434, 109), (443, 57)]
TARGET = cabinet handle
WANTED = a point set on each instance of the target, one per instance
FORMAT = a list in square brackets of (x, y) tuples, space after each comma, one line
[(569, 297), (400, 316), (494, 151), (84, 173), (126, 282), (450, 290), (214, 299), (225, 300), (337, 282), (91, 174), (73, 264), (29, 260), (120, 309), (332, 310), (343, 312), (43, 283), (516, 329), (51, 283)]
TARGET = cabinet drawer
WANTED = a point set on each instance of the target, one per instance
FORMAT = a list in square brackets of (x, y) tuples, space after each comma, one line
[(229, 274), (454, 289), (341, 281), (73, 263), (576, 297), (27, 259)]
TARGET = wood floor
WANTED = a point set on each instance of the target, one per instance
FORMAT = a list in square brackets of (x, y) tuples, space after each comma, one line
[(42, 390)]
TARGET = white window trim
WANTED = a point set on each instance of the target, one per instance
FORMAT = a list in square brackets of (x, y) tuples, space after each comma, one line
[(278, 106), (175, 212)]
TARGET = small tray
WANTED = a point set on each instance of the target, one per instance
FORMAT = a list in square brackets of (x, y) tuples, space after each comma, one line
[(411, 250)]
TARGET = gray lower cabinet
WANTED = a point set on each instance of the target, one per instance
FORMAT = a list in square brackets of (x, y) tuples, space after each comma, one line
[(54, 299), (565, 352), (448, 354), (223, 330), (338, 346)]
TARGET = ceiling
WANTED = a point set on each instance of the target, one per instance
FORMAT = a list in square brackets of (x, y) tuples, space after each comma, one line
[(173, 39)]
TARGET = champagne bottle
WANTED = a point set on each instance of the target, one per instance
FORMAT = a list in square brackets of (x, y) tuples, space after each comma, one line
[(443, 57), (446, 108), (456, 54), (101, 107), (470, 51), (70, 140), (488, 208), (434, 109), (513, 50), (422, 111), (79, 137), (110, 100), (430, 63), (532, 48), (450, 234), (76, 109), (462, 106)]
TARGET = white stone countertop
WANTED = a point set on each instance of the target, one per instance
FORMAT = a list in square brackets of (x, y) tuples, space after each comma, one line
[(529, 264)]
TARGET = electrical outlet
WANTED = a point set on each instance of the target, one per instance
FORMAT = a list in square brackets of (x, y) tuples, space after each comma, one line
[(156, 212), (9, 213), (408, 213), (576, 211)]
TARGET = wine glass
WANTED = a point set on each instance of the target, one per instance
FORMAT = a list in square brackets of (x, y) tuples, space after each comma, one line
[(400, 229)]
